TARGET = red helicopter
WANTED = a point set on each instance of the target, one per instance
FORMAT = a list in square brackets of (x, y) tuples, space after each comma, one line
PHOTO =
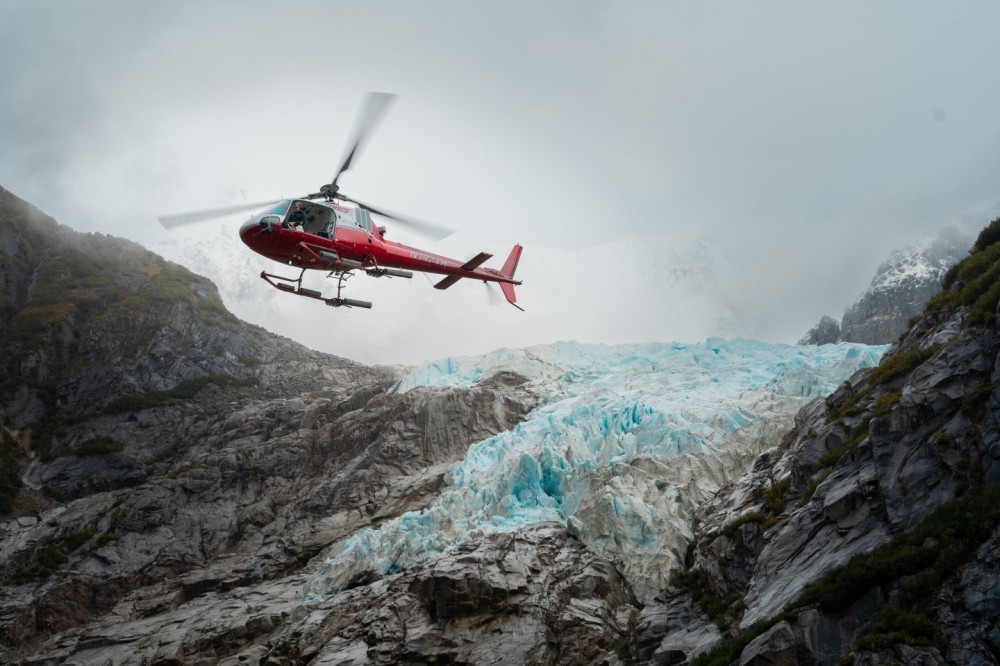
[(318, 232)]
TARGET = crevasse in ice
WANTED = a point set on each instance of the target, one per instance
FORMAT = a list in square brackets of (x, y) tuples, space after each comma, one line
[(627, 441)]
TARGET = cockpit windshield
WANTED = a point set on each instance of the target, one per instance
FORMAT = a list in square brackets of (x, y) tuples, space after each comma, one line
[(280, 208)]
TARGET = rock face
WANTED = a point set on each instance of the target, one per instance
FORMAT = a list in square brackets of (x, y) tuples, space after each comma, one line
[(897, 293), (536, 596), (533, 597), (835, 542), (190, 483), (233, 482)]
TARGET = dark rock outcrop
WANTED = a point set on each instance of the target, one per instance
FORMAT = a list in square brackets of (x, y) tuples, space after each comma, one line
[(826, 332)]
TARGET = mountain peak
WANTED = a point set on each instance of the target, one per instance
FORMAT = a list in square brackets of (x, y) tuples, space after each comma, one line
[(902, 285)]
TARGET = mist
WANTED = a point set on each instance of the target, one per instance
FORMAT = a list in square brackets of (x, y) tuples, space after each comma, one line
[(789, 146)]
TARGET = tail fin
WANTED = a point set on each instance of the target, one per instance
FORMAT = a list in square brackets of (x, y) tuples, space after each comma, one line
[(508, 292), (510, 265), (507, 271)]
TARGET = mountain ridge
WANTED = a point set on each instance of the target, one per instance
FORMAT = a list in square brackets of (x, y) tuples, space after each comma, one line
[(187, 515)]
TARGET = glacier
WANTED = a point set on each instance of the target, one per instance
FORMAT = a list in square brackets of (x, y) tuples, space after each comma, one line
[(627, 441)]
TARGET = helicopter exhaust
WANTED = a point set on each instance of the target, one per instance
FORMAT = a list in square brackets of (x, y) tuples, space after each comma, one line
[(348, 302), (391, 272), (330, 256)]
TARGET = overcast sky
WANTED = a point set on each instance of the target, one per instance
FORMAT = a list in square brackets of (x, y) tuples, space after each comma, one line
[(806, 139)]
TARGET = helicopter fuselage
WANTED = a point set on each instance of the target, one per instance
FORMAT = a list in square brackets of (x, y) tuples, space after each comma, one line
[(337, 238)]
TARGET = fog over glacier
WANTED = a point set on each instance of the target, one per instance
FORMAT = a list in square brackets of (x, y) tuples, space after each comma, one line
[(684, 287), (800, 142), (627, 442)]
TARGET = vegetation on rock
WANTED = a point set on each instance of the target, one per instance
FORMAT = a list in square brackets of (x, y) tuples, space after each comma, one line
[(183, 391), (10, 471), (975, 281), (932, 551)]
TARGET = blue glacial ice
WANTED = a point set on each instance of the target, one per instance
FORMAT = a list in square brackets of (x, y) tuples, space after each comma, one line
[(628, 440)]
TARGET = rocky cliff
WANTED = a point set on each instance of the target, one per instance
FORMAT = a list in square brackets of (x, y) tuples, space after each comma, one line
[(871, 534), (901, 287), (161, 456)]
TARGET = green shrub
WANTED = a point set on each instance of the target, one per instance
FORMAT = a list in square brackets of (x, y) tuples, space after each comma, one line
[(899, 364), (56, 494), (896, 626), (695, 584), (728, 652), (974, 402), (980, 274), (50, 558), (984, 309), (942, 301), (183, 391), (95, 446), (774, 497), (886, 402), (950, 276), (980, 280), (752, 517), (10, 471), (933, 550), (830, 458), (988, 236), (810, 490), (850, 407), (977, 263)]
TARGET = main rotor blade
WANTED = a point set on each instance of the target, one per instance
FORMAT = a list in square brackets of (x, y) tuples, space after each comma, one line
[(181, 219), (376, 104), (432, 231)]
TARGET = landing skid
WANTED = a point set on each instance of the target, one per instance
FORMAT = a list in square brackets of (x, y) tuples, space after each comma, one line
[(294, 286)]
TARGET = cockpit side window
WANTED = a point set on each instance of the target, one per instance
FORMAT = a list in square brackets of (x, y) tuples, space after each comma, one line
[(353, 218), (364, 219)]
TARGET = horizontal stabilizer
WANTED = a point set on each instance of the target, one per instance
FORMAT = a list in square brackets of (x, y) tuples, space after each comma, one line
[(475, 262), (448, 281)]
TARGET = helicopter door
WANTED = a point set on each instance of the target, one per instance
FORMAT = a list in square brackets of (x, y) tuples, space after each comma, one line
[(325, 222)]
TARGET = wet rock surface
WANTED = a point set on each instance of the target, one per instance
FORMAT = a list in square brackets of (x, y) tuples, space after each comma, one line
[(860, 467), (537, 596)]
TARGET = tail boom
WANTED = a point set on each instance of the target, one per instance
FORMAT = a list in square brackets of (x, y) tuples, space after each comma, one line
[(504, 277)]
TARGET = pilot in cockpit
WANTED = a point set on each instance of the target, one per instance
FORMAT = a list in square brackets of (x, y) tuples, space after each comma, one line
[(297, 219)]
